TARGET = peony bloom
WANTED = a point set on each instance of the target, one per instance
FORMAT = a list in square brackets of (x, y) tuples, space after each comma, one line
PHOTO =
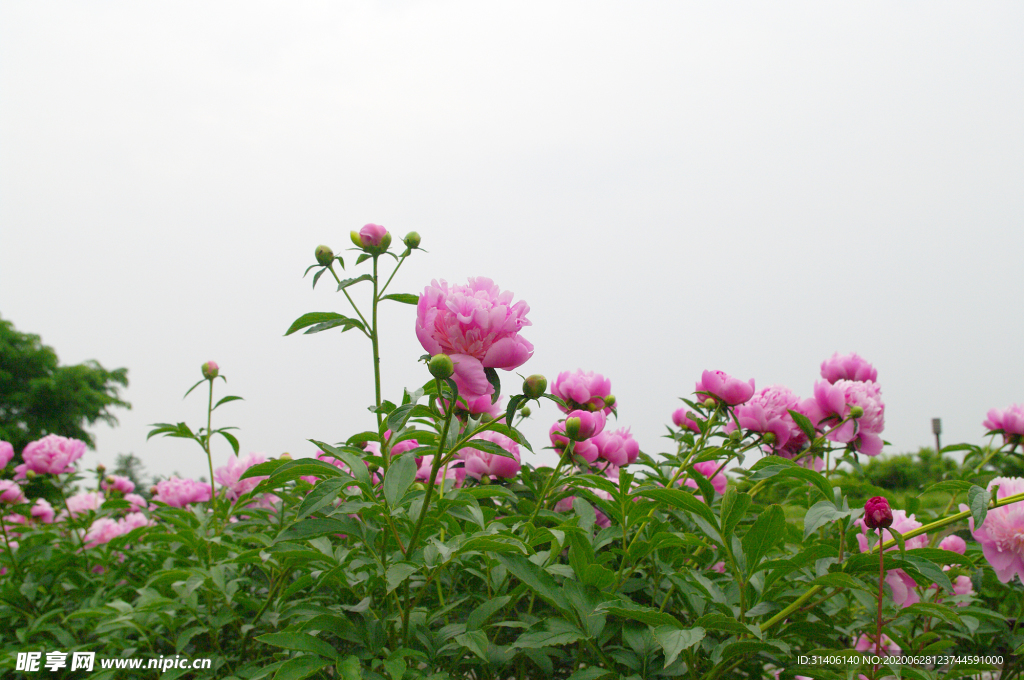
[(708, 469), (6, 453), (1002, 534), (118, 483), (452, 471), (1010, 421), (134, 520), (82, 503), (718, 567), (402, 446), (43, 511), (953, 543), (682, 420), (848, 367), (52, 455), (137, 501), (583, 391), (482, 404), (602, 520), (103, 530), (831, 404), (477, 326), (867, 644), (618, 447), (229, 476), (903, 587), (178, 493), (724, 388), (877, 513), (480, 463), (11, 493), (372, 235)]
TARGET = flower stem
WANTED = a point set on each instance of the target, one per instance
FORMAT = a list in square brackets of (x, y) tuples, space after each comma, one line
[(881, 585), (206, 446), (376, 354), (434, 469)]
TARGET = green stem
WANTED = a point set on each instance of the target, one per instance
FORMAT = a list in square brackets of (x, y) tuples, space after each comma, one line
[(206, 446), (434, 469), (7, 545), (881, 591), (566, 455), (351, 302), (395, 271), (376, 354)]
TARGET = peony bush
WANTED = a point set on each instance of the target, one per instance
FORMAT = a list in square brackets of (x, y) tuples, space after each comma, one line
[(423, 542)]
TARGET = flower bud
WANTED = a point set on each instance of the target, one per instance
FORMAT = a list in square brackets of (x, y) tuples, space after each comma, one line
[(441, 366), (412, 240), (356, 239), (572, 428), (767, 437), (324, 255), (418, 486), (110, 480), (373, 235), (525, 411), (735, 435), (153, 490), (856, 411), (210, 370), (30, 474), (101, 468), (877, 513), (535, 386), (486, 417), (485, 479), (709, 403), (609, 401), (285, 456)]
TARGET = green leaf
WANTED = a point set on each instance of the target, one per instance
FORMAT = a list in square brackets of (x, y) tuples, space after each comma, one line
[(492, 377), (313, 527), (822, 513), (804, 423), (406, 298), (400, 475), (978, 500), (348, 668), (231, 439), (840, 580), (768, 529), (311, 319), (536, 579), (513, 405), (734, 507), (398, 572), (347, 323), (263, 469), (683, 500), (718, 621), (226, 400), (652, 617), (316, 277), (300, 642), (300, 667), (789, 469), (478, 617), (955, 485), (322, 495), (673, 640), (194, 386), (488, 447), (591, 673), (356, 466), (398, 417), (475, 641), (557, 632), (345, 283), (898, 537), (932, 609)]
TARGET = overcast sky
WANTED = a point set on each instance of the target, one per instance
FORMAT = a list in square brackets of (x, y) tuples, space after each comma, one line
[(671, 186)]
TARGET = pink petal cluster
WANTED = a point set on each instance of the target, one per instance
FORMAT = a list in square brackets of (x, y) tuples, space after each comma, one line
[(480, 463), (831, 404), (848, 367), (602, 520), (118, 483), (52, 455), (904, 588), (768, 412), (867, 644), (618, 447), (709, 470), (137, 502), (1002, 534), (477, 405), (1010, 421), (229, 476), (585, 449), (477, 326), (43, 511), (6, 453), (178, 493), (583, 390), (372, 234), (81, 503), (961, 584), (105, 529), (724, 388), (11, 493), (402, 446), (682, 420), (453, 471)]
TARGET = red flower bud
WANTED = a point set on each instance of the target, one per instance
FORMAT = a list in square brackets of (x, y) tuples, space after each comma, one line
[(877, 513)]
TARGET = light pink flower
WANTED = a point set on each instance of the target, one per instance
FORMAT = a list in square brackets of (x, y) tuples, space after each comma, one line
[(831, 404), (11, 493), (482, 404), (1002, 534), (229, 476), (708, 469), (51, 455), (479, 463), (137, 501), (768, 411), (904, 588), (6, 453), (1010, 421), (583, 390), (372, 234), (118, 483), (43, 511), (867, 644), (618, 447), (178, 493), (402, 446), (724, 387), (477, 326), (602, 520), (682, 420), (82, 503), (953, 543), (718, 567), (134, 520), (453, 471), (102, 531), (848, 367)]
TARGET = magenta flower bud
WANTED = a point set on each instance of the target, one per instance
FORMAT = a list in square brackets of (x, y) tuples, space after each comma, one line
[(441, 366), (877, 513), (535, 386), (324, 255), (372, 236), (211, 370), (412, 240), (723, 387)]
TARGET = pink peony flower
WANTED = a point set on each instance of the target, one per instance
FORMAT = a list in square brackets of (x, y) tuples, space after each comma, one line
[(724, 387), (477, 405), (372, 234), (953, 543), (831, 404), (453, 471), (134, 520), (6, 453), (583, 391), (580, 425), (708, 469), (102, 531), (682, 420), (848, 367), (1010, 421), (618, 447), (229, 476), (82, 503), (137, 501), (480, 463), (477, 326), (11, 493), (1002, 534), (52, 455), (602, 520), (118, 483), (584, 449), (867, 644), (43, 511), (402, 446), (178, 493)]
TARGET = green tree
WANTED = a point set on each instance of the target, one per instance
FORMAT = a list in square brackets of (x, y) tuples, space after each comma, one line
[(39, 397)]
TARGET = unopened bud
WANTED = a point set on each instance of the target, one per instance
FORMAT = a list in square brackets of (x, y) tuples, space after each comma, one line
[(441, 366), (30, 475), (735, 435), (101, 468), (385, 241), (285, 456), (486, 417), (609, 401), (572, 428), (356, 239), (418, 486), (709, 403), (412, 240), (485, 479), (324, 255), (877, 513), (110, 480), (535, 386), (525, 411), (769, 437), (856, 411), (211, 370), (153, 490)]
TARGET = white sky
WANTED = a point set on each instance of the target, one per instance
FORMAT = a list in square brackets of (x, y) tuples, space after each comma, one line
[(671, 186)]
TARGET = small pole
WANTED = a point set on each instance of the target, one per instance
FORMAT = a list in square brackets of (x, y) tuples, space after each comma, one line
[(937, 430)]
